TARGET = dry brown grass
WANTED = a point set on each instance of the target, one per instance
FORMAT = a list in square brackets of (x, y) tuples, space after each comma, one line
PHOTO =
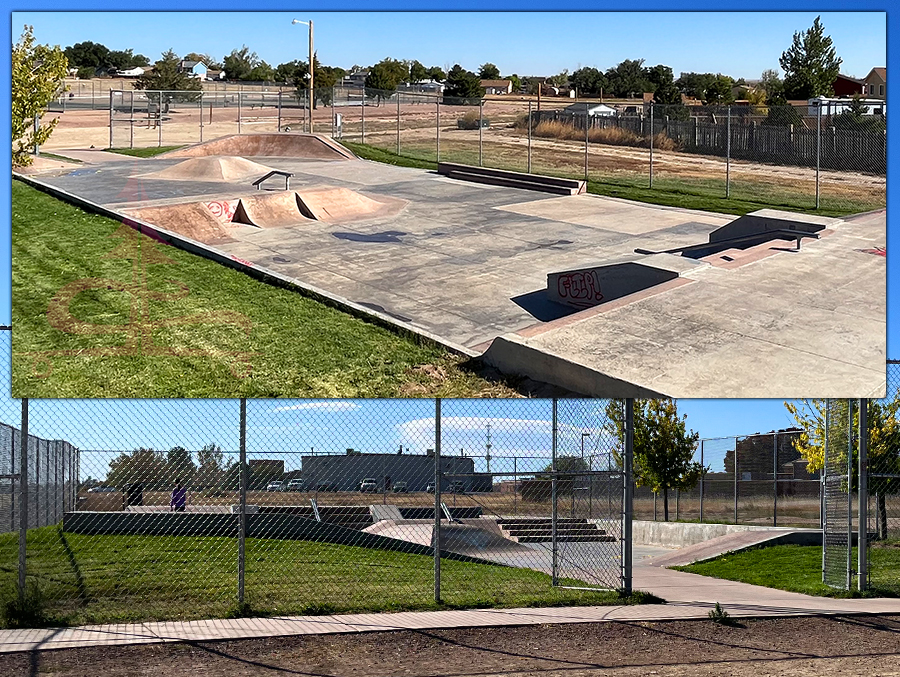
[(611, 136)]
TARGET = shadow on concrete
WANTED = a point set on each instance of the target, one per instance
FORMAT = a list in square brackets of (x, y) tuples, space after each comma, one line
[(541, 308)]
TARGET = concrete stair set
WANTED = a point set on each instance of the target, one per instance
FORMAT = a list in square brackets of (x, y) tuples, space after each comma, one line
[(540, 530)]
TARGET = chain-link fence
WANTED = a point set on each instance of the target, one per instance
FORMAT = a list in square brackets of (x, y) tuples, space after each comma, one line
[(837, 499), (758, 480), (204, 508), (831, 159)]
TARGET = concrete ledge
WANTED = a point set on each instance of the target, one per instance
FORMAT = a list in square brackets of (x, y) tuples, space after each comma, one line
[(511, 354), (502, 177), (682, 534)]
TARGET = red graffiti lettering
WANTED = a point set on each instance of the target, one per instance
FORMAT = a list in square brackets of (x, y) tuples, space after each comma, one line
[(580, 289)]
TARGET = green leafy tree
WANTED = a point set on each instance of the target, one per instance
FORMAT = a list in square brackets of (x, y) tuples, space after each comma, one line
[(210, 466), (856, 118), (695, 85), (205, 59), (516, 83), (124, 59), (719, 91), (883, 447), (488, 71), (37, 73), (417, 72), (811, 64), (561, 79), (168, 83), (240, 63), (662, 84), (141, 466), (383, 78), (463, 87), (87, 53), (569, 464), (291, 72), (588, 81), (437, 74), (627, 79), (663, 448), (180, 465)]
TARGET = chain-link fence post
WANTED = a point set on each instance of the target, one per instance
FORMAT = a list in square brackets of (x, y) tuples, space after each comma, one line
[(110, 119), (586, 141), (863, 517), (818, 148), (436, 538), (529, 137), (23, 497), (362, 117), (481, 133), (239, 111), (651, 144), (398, 123), (279, 109), (849, 493), (735, 482), (728, 155), (200, 111), (702, 478), (553, 496), (437, 130), (242, 509), (333, 119), (628, 500), (775, 480), (131, 123)]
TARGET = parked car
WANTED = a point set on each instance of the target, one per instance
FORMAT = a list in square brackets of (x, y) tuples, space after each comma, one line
[(369, 485), (275, 486), (401, 488), (429, 487), (101, 490), (295, 485)]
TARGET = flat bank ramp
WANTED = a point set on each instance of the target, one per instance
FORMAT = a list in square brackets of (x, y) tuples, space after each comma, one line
[(735, 542), (192, 219), (291, 145), (269, 210), (335, 204)]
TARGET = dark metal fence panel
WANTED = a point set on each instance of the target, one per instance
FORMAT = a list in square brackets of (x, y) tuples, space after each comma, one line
[(837, 499)]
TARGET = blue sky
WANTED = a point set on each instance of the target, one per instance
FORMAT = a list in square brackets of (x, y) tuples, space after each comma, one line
[(738, 44), (537, 43)]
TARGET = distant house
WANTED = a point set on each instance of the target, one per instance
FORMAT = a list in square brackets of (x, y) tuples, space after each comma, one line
[(135, 72), (196, 69), (844, 85), (594, 110), (497, 86), (831, 106), (876, 84)]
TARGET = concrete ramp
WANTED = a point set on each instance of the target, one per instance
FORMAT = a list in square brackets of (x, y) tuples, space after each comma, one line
[(735, 542), (764, 221), (502, 177), (228, 168), (340, 205), (290, 145), (269, 210), (192, 219)]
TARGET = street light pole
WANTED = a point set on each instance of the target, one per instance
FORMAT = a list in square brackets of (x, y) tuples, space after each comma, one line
[(311, 69)]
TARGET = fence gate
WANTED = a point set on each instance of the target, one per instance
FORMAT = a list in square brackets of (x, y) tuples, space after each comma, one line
[(837, 495)]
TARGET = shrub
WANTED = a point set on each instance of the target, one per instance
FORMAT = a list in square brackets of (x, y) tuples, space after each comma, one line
[(612, 136), (30, 612)]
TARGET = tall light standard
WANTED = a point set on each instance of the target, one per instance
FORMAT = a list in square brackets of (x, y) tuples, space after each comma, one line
[(311, 69)]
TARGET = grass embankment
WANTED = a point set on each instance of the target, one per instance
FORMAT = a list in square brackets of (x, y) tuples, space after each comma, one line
[(798, 568), (143, 152), (185, 326), (701, 194), (104, 579)]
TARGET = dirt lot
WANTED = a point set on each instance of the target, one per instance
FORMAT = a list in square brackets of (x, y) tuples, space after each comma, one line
[(862, 645)]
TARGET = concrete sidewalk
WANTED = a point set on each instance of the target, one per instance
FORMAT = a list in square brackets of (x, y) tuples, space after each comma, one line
[(689, 596)]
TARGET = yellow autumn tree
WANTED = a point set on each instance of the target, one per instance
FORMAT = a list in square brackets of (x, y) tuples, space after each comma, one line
[(37, 73)]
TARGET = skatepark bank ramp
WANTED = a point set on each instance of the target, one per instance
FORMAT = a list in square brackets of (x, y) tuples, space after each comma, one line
[(291, 145)]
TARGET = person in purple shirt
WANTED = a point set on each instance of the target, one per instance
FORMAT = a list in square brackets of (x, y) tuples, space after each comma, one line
[(179, 498)]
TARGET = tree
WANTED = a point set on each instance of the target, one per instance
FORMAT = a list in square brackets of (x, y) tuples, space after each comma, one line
[(261, 72), (240, 63), (663, 449), (210, 466), (37, 73), (292, 72), (205, 59), (588, 81), (627, 79), (662, 82), (383, 78), (516, 83), (856, 118), (694, 85), (180, 465), (811, 64), (141, 466), (488, 71), (436, 73), (883, 447), (719, 91), (87, 53), (167, 78), (569, 464), (124, 59), (417, 72), (561, 79), (463, 87)]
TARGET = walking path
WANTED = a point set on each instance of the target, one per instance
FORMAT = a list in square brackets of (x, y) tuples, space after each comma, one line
[(689, 597)]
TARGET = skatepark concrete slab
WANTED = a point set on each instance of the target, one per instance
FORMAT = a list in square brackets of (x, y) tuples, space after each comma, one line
[(469, 264)]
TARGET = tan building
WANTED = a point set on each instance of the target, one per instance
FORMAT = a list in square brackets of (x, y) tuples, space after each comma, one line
[(497, 86), (876, 84)]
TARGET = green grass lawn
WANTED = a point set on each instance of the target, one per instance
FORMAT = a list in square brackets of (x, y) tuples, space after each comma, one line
[(99, 579), (799, 569), (143, 152), (195, 325)]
